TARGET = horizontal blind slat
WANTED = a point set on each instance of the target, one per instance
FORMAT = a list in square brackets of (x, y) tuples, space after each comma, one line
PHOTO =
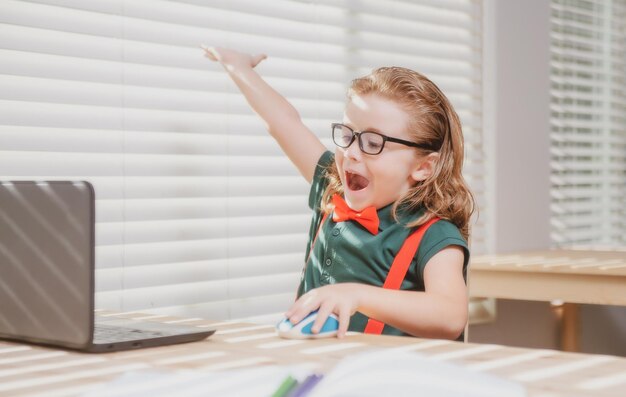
[(187, 251)]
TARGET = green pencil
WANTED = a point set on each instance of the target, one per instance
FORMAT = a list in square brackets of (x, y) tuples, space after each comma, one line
[(288, 384)]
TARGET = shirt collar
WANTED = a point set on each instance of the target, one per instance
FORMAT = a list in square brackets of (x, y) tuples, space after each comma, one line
[(404, 217)]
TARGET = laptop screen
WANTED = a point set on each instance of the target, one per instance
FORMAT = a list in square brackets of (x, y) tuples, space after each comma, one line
[(46, 262)]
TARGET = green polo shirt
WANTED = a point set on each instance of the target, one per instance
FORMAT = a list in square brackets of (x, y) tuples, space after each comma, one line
[(345, 252)]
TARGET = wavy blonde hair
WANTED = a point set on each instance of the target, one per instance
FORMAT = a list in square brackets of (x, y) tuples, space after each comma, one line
[(433, 122)]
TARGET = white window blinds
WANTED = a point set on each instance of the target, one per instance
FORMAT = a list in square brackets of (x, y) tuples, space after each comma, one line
[(588, 122), (198, 211)]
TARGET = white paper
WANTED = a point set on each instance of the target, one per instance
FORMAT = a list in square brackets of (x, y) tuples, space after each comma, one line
[(398, 373), (389, 372)]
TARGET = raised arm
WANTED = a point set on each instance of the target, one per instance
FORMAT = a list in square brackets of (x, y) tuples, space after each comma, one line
[(281, 119)]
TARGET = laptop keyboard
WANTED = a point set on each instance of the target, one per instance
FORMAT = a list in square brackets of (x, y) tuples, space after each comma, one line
[(110, 334)]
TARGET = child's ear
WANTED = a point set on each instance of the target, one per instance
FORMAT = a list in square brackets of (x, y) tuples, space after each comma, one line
[(425, 168)]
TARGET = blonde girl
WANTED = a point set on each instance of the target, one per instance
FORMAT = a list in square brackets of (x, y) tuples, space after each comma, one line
[(396, 169)]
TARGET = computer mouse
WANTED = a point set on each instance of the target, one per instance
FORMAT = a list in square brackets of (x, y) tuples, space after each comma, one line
[(302, 330)]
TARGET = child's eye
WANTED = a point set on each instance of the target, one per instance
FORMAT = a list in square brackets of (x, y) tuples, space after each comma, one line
[(373, 143)]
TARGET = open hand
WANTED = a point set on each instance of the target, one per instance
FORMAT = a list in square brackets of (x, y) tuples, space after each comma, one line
[(231, 58)]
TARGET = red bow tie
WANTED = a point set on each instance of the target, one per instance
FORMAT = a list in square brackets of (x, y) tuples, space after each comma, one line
[(368, 218)]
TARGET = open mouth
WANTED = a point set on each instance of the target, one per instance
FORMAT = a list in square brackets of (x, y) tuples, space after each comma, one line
[(355, 181)]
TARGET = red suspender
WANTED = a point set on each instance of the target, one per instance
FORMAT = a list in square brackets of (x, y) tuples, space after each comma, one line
[(398, 270)]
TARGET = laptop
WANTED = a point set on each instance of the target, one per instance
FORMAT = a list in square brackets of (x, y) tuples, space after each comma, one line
[(47, 268)]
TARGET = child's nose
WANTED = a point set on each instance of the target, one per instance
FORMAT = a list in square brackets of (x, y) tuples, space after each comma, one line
[(353, 151)]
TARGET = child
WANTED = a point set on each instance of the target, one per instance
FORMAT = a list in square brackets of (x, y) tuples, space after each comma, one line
[(396, 167)]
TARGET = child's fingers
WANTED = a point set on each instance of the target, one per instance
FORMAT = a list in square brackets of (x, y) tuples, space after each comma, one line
[(293, 309), (209, 52), (322, 315), (344, 322), (257, 59), (298, 314), (302, 307)]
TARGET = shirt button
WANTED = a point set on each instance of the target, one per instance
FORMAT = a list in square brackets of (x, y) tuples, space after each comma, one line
[(336, 232), (328, 262)]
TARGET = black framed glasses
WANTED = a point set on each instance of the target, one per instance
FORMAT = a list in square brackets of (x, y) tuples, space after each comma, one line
[(369, 142)]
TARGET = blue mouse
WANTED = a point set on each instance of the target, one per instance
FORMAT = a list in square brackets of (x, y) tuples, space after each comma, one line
[(302, 330)]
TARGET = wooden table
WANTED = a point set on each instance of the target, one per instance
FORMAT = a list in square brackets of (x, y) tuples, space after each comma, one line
[(570, 276), (27, 370)]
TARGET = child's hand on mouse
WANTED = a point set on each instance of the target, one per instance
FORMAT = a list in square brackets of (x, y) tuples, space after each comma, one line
[(341, 299), (232, 59)]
